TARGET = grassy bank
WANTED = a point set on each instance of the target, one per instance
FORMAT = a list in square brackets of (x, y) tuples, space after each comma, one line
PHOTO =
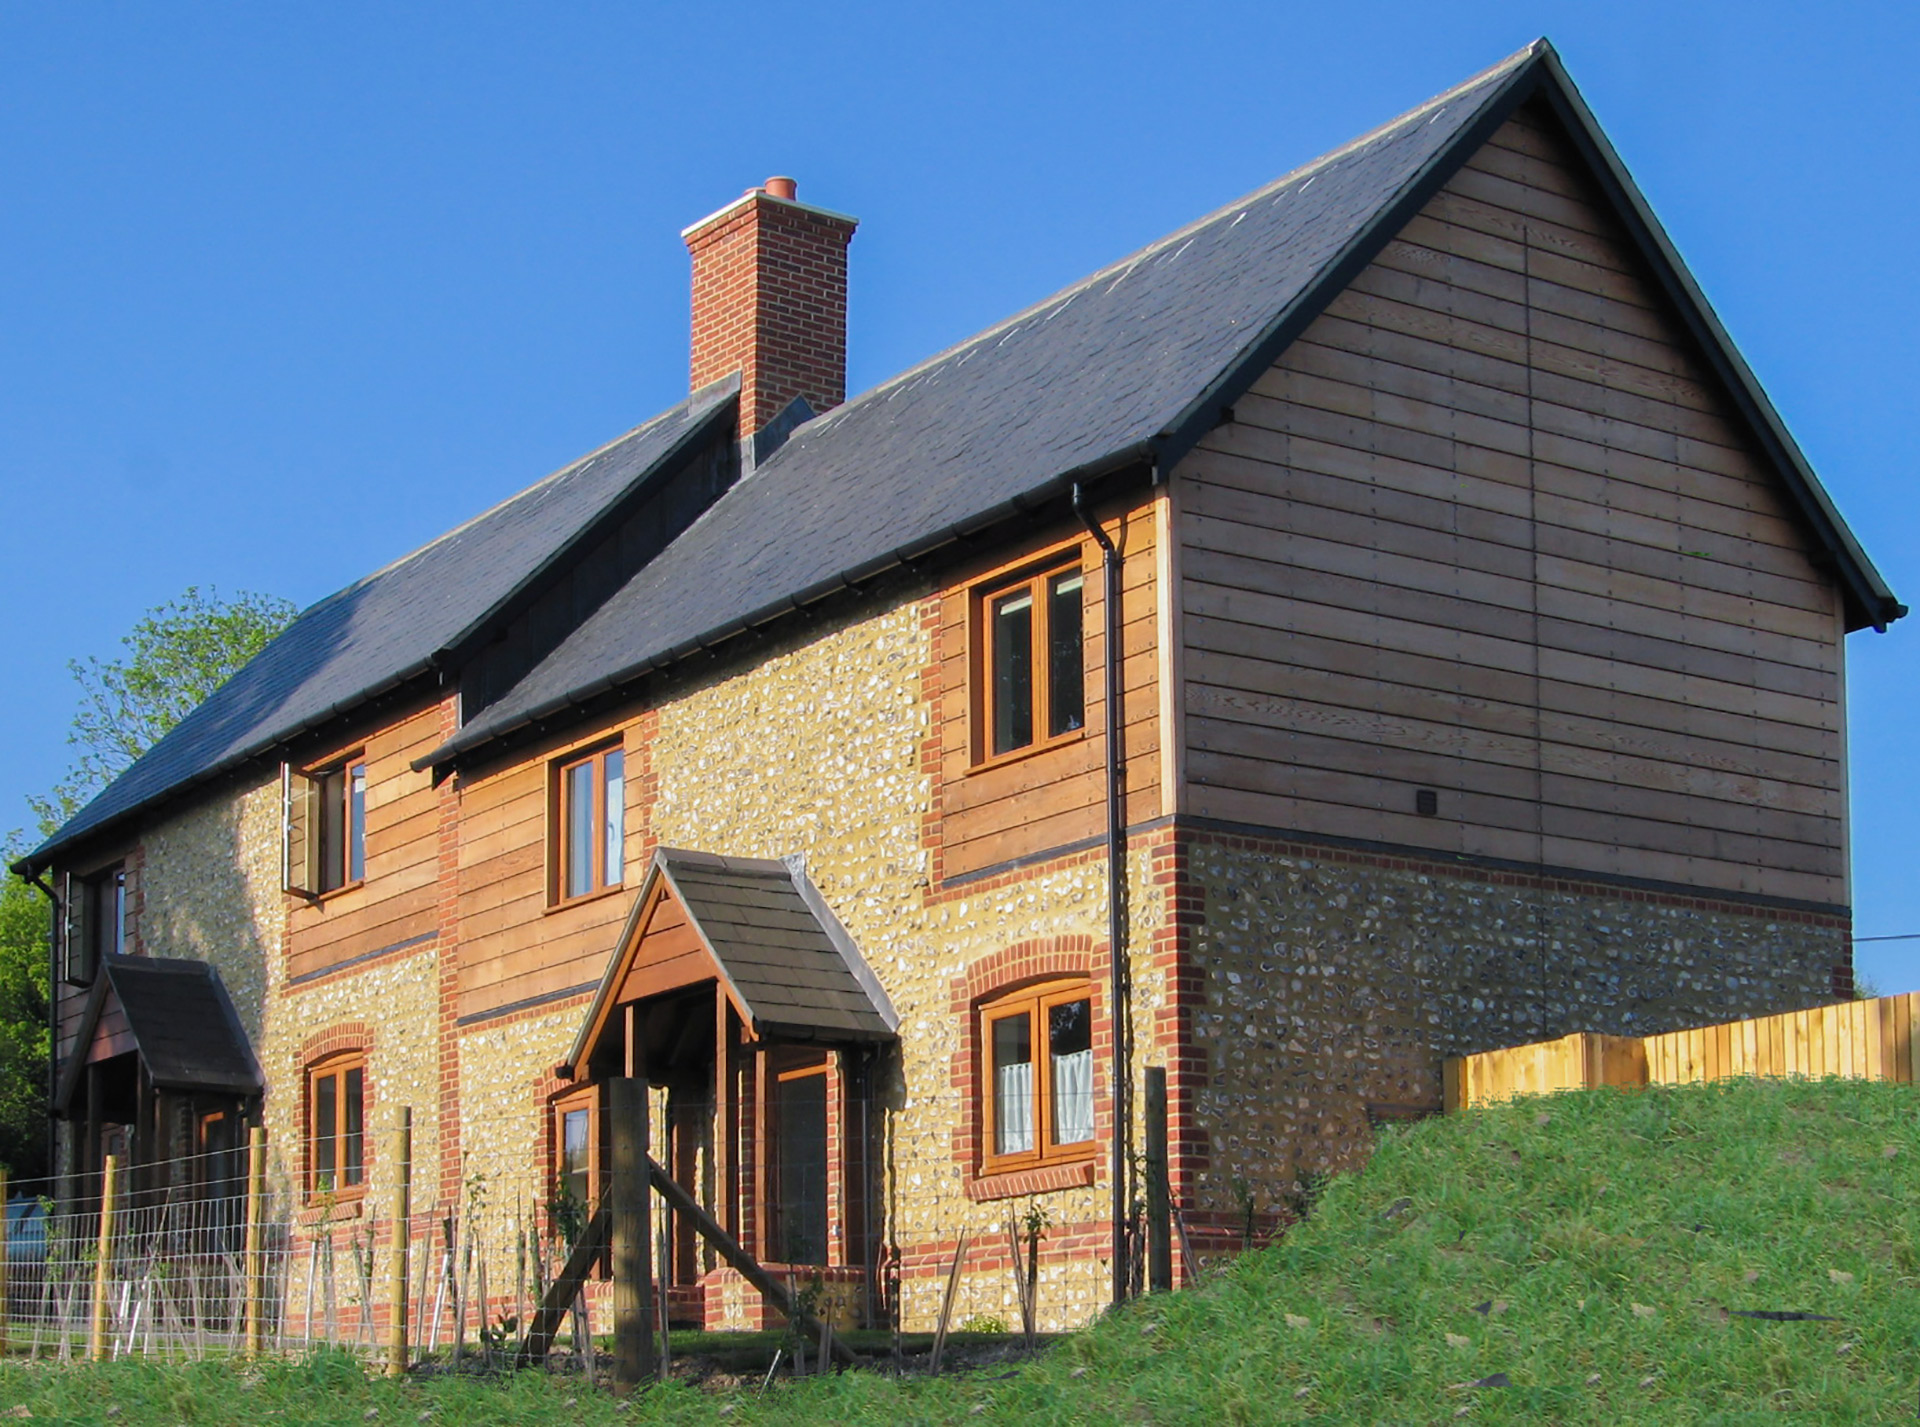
[(1588, 1258)]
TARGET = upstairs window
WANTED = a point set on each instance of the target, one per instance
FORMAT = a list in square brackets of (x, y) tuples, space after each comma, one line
[(1031, 671), (325, 814), (336, 1126), (96, 922), (1038, 1095), (590, 824)]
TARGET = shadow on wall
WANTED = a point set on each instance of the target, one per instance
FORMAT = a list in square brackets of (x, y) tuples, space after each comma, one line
[(211, 892)]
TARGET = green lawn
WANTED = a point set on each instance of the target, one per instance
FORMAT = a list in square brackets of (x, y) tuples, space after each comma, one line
[(1579, 1259)]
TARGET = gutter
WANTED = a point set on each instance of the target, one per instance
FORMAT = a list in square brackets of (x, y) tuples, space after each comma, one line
[(1117, 966), (901, 557)]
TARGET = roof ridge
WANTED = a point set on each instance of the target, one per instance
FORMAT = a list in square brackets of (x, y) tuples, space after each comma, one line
[(1132, 260)]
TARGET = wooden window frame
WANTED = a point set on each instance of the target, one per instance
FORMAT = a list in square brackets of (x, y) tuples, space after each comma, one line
[(784, 1066), (559, 810), (336, 1067), (308, 868), (586, 1098), (1033, 1000), (1035, 576), (88, 922)]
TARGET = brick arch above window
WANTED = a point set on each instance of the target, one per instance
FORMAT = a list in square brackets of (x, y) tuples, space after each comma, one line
[(1037, 959), (335, 1040)]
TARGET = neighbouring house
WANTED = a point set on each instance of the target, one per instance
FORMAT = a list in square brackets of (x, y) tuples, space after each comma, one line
[(1383, 620)]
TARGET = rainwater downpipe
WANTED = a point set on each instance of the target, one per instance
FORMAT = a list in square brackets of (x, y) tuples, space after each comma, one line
[(1122, 1074)]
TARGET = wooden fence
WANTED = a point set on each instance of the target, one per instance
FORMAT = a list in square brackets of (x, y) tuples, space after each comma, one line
[(1858, 1040)]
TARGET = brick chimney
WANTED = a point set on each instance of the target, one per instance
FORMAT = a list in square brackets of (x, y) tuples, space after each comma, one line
[(770, 301)]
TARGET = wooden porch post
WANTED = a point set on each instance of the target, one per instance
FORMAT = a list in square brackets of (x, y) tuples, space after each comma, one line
[(761, 1140), (723, 1110), (90, 1157), (144, 1147), (633, 1346)]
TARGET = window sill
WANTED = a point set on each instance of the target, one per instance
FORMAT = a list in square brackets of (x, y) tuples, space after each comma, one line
[(584, 898), (1042, 1179), (1032, 750), (332, 894), (343, 1210)]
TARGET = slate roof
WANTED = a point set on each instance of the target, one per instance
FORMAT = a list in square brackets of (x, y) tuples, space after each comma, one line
[(388, 628), (790, 965), (1129, 365), (182, 1022)]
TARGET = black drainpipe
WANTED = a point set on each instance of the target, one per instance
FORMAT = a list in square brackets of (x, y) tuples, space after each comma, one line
[(1116, 896), (53, 1011)]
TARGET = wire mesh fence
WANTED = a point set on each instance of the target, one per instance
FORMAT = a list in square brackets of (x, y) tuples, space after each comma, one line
[(872, 1225)]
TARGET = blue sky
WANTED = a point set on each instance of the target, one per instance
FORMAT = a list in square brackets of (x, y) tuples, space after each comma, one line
[(286, 291)]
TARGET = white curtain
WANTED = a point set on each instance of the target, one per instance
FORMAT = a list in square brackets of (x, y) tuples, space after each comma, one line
[(1073, 1098), (1013, 1108)]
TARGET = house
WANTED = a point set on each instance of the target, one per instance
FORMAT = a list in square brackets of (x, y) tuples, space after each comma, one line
[(1382, 620)]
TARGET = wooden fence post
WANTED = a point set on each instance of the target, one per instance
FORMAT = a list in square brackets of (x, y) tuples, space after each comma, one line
[(633, 1346), (402, 1228), (102, 1263), (255, 1271), (1159, 1196)]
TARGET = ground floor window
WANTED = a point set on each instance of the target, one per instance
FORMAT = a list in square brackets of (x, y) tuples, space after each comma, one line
[(799, 1181), (1038, 1091), (576, 1153), (336, 1126)]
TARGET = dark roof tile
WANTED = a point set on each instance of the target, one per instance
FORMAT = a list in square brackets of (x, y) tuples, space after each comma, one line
[(384, 629)]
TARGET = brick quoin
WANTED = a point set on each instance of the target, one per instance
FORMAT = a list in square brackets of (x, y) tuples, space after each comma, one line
[(770, 301)]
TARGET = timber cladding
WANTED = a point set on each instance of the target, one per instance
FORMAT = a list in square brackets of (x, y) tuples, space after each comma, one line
[(397, 903), (1488, 530), (995, 811)]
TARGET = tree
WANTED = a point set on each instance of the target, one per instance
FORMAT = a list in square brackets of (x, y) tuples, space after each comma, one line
[(177, 654), (24, 1037)]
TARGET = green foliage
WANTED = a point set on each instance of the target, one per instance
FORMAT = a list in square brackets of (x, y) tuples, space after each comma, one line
[(1578, 1259), (24, 1040), (177, 654)]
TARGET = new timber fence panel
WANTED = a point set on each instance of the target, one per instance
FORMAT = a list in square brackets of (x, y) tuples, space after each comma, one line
[(1855, 1040)]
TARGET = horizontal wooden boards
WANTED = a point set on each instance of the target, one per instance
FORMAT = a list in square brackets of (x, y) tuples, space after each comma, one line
[(1003, 810), (1488, 528), (399, 896)]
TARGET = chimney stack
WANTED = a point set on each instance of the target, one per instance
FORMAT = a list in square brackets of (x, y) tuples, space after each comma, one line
[(770, 301)]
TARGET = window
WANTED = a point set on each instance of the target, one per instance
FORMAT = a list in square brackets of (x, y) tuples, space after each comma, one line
[(797, 1151), (1038, 1095), (590, 824), (576, 1151), (336, 1126), (1032, 685), (96, 922), (325, 815)]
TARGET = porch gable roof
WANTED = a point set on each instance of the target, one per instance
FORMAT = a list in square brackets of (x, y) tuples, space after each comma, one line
[(779, 953), (183, 1025)]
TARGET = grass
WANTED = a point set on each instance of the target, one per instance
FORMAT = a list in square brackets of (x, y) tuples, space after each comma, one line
[(1582, 1257)]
